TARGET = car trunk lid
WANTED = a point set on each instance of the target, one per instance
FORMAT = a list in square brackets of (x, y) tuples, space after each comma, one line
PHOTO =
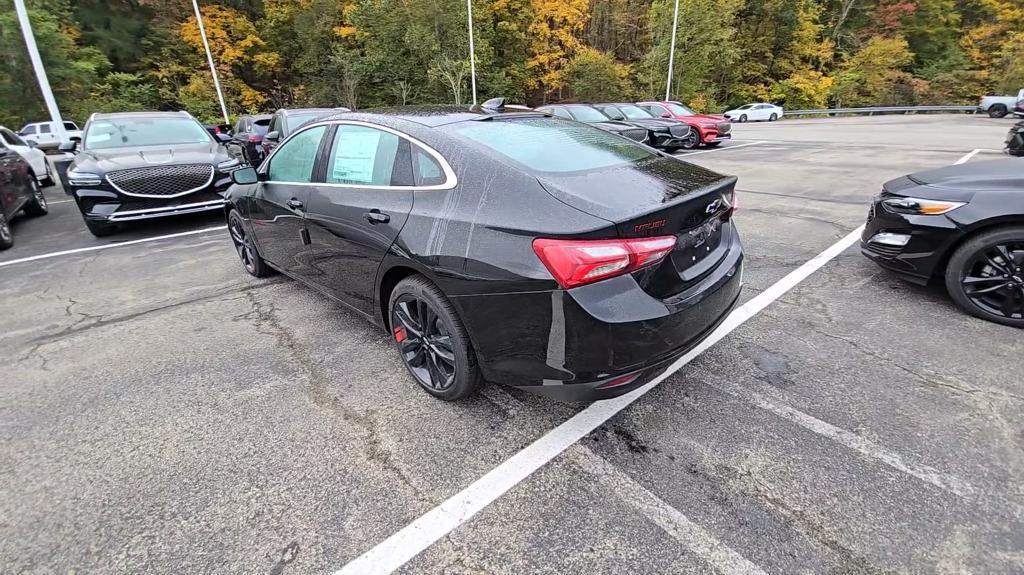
[(658, 196)]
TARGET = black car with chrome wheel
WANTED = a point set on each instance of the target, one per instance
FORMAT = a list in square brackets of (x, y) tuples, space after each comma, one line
[(963, 225), (140, 165), (498, 244)]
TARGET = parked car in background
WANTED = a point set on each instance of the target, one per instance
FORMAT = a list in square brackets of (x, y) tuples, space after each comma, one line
[(666, 134), (31, 153), (140, 165), (1015, 140), (217, 130), (246, 138), (712, 129), (963, 225), (1018, 110), (19, 190), (633, 253), (999, 106), (591, 115), (44, 134), (286, 121), (759, 111)]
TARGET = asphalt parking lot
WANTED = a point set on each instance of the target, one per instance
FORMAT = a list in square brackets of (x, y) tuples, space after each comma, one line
[(163, 412)]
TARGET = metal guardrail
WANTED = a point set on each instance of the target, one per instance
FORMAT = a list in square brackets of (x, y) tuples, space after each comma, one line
[(882, 110)]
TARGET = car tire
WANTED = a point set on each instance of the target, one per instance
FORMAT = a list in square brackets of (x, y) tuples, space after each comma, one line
[(693, 142), (773, 117), (743, 118), (418, 311), (48, 180), (99, 229), (6, 235), (37, 205), (983, 256), (247, 251), (997, 110)]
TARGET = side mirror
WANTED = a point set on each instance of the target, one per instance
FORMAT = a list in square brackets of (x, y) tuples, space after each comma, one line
[(273, 136), (222, 137), (69, 146), (245, 176), (666, 115)]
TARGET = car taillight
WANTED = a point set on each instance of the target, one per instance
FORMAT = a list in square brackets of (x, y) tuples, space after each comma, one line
[(578, 262), (254, 139), (733, 206)]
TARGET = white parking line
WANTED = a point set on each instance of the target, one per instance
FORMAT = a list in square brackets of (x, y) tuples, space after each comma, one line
[(698, 541), (108, 246), (853, 441), (967, 157), (720, 149), (412, 539)]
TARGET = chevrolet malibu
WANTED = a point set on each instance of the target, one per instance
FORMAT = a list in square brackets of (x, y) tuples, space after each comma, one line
[(498, 244)]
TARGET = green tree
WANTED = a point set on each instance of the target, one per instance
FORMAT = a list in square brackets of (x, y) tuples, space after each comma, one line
[(594, 76)]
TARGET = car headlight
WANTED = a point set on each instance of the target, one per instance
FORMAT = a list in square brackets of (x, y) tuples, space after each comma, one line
[(77, 178), (920, 207), (229, 165)]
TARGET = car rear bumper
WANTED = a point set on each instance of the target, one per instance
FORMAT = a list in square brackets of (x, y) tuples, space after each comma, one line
[(576, 344)]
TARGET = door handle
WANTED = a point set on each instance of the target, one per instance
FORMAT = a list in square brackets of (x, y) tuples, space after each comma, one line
[(375, 216), (294, 203)]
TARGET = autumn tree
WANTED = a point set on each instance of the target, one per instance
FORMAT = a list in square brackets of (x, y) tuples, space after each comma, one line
[(555, 35)]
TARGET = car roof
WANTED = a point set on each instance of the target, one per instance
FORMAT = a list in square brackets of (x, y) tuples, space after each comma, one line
[(107, 115), (287, 111), (433, 116), (256, 117)]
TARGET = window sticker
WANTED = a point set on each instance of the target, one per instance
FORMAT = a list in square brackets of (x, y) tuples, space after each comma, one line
[(354, 156)]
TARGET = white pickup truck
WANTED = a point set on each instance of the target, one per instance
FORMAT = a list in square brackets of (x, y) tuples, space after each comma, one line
[(999, 106)]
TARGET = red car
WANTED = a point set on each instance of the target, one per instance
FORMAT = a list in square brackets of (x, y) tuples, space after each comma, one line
[(713, 129)]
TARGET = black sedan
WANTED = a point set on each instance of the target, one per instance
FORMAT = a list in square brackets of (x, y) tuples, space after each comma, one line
[(963, 224), (19, 190), (666, 133), (140, 165), (502, 245), (594, 117)]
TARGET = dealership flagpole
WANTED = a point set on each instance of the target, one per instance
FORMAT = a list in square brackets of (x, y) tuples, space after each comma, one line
[(37, 65), (209, 58), (472, 56), (672, 52)]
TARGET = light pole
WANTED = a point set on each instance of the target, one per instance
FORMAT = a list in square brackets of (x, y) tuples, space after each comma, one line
[(472, 57), (37, 65), (672, 51), (209, 58)]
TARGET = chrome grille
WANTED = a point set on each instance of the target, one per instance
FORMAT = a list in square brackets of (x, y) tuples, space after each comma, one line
[(162, 181), (724, 128), (679, 131), (637, 134)]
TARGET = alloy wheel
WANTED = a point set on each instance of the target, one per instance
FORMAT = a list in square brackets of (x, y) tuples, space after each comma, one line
[(993, 279), (424, 342), (37, 191), (243, 245)]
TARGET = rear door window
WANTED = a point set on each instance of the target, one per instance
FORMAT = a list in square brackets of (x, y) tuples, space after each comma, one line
[(44, 128), (362, 156), (529, 142)]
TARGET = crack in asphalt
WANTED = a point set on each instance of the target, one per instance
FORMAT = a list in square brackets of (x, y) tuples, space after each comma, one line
[(266, 321), (929, 381)]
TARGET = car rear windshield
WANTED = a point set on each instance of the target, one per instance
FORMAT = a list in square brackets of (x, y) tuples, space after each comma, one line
[(126, 132), (552, 145), (260, 126), (587, 114)]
